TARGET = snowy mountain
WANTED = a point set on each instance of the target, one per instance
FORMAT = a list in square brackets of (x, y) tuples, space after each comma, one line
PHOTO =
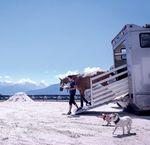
[(9, 88), (50, 90)]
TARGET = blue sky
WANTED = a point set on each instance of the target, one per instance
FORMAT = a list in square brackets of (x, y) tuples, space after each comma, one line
[(42, 39)]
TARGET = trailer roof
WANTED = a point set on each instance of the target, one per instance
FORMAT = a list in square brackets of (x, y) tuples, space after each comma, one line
[(127, 28)]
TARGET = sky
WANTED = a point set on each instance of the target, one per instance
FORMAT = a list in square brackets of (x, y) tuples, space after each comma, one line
[(41, 40)]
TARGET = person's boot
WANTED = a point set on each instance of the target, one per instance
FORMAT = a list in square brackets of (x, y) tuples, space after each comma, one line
[(79, 109), (69, 113)]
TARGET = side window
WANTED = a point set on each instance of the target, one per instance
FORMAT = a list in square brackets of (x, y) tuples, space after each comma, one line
[(123, 56), (144, 40)]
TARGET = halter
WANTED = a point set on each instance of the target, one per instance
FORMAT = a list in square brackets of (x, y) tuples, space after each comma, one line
[(62, 83)]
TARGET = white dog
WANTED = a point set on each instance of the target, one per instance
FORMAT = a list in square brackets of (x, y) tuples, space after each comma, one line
[(123, 122)]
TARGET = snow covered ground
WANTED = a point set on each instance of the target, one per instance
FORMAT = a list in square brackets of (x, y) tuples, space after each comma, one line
[(44, 123)]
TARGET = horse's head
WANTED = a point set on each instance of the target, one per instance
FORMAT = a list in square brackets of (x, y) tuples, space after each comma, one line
[(63, 82)]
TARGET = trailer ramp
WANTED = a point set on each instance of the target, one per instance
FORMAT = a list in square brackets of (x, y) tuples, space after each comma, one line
[(117, 86)]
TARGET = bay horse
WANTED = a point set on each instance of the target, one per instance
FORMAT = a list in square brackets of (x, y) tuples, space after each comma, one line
[(83, 83)]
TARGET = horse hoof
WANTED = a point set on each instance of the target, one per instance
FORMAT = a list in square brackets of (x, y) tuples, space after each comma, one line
[(88, 104)]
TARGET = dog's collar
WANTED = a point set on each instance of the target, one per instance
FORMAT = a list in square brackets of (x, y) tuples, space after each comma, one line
[(117, 120)]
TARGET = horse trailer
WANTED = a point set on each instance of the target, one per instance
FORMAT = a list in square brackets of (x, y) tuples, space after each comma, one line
[(131, 47), (128, 83)]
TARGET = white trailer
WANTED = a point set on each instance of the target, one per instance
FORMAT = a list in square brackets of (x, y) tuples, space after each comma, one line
[(129, 81), (132, 47)]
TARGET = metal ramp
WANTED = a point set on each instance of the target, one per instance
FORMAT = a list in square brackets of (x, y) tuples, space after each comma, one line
[(117, 85)]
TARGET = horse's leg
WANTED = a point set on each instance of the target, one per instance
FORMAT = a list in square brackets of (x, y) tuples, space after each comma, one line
[(83, 98)]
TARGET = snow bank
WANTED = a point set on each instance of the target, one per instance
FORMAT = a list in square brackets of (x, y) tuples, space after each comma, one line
[(20, 97)]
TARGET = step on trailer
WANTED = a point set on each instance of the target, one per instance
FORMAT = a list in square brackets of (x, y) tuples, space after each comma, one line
[(129, 81)]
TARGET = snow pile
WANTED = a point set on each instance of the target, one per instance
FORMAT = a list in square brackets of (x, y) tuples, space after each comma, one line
[(20, 97)]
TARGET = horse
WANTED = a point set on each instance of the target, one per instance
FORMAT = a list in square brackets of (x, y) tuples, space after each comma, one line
[(83, 83)]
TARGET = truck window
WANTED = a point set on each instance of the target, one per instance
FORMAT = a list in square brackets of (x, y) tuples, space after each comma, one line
[(144, 40)]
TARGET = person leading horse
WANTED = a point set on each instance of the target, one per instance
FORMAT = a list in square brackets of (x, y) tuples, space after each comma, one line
[(82, 83)]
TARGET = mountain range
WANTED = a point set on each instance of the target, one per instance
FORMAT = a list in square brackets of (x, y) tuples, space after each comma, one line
[(7, 88), (50, 90)]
